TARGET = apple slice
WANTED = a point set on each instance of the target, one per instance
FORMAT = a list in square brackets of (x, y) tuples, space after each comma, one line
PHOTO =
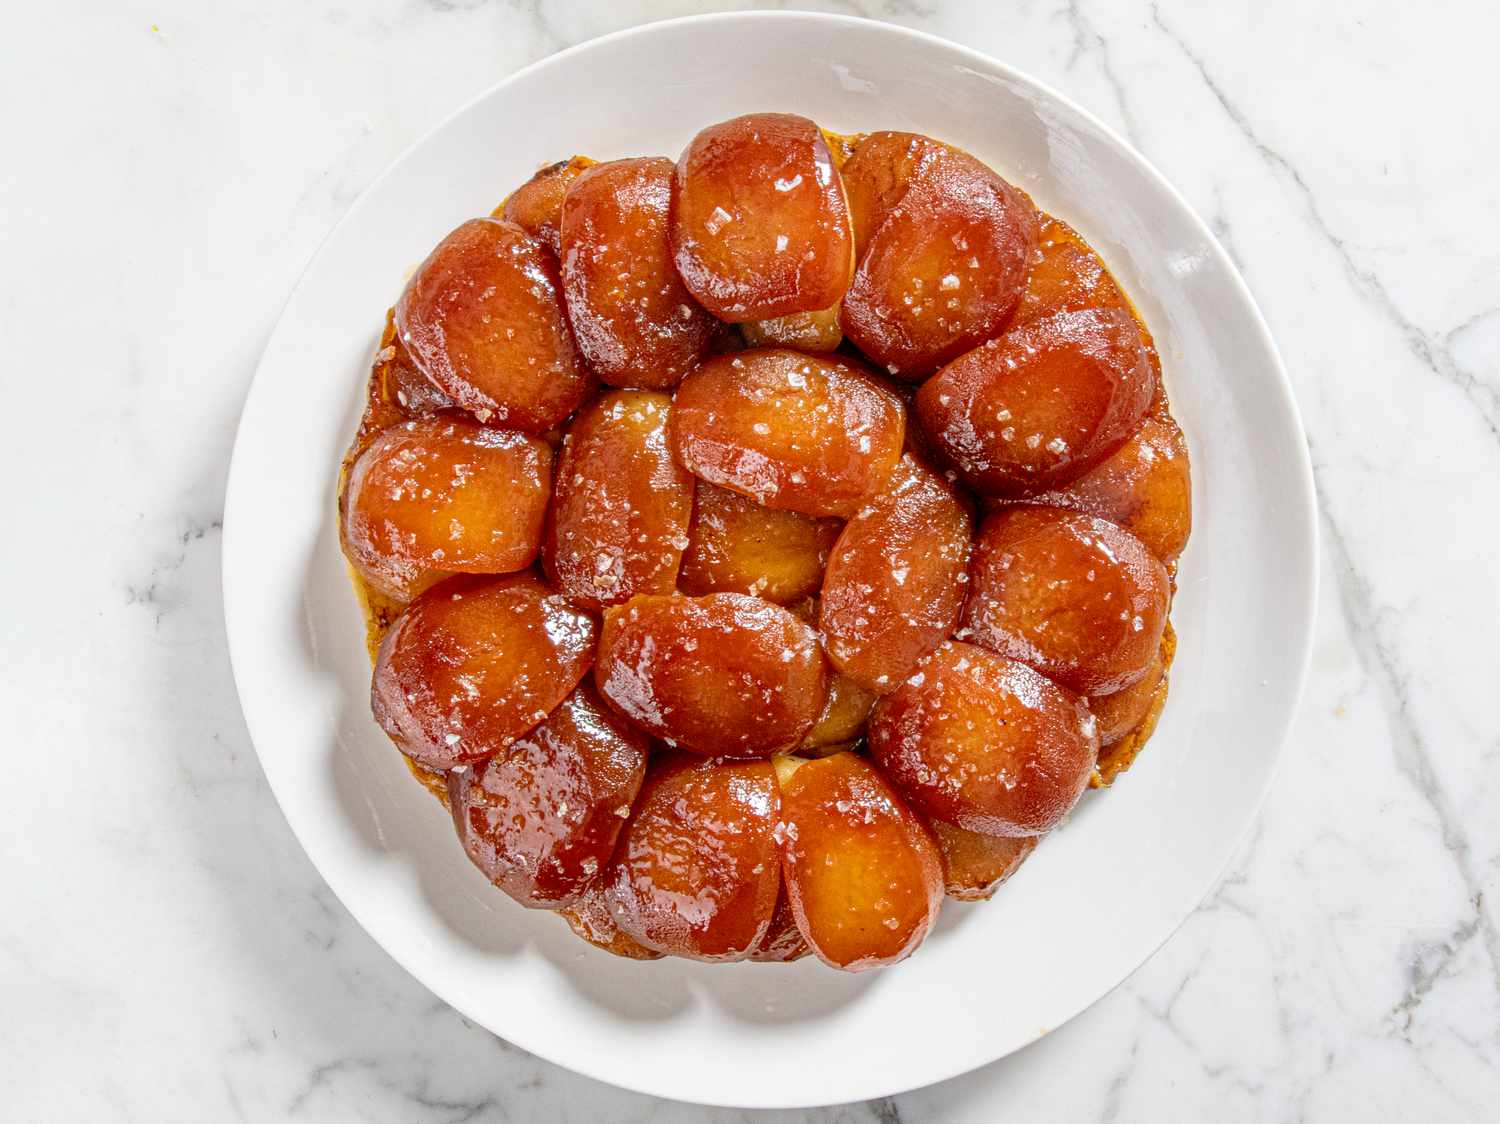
[(863, 874), (760, 225), (541, 819), (474, 663), (620, 511), (696, 872), (483, 319), (723, 675), (985, 742)]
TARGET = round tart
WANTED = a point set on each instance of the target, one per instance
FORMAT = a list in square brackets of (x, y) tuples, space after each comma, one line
[(764, 547)]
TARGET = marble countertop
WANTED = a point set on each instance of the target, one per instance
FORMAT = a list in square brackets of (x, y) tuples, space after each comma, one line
[(166, 950)]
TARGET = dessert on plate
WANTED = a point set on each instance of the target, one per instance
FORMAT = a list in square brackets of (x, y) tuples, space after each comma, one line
[(762, 547)]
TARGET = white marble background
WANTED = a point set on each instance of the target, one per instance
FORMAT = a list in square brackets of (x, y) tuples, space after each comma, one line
[(166, 951)]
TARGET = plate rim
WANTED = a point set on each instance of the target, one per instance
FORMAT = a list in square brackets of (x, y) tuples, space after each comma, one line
[(235, 593)]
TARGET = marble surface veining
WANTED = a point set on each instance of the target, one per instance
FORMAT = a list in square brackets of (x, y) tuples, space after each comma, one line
[(166, 951)]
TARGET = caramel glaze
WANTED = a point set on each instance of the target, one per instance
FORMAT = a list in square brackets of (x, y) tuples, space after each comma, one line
[(396, 392)]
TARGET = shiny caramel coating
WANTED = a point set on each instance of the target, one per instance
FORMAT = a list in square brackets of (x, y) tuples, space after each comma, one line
[(474, 663), (723, 675), (536, 206), (878, 174), (1118, 756), (760, 225), (1123, 710), (783, 941), (619, 518), (1066, 275), (863, 873), (409, 389), (796, 432), (591, 920), (757, 538), (1144, 486), (895, 580), (944, 271), (635, 322), (1041, 404), (483, 319), (696, 872), (1079, 599), (540, 819), (976, 865), (444, 494), (844, 715), (984, 742), (736, 545), (817, 332)]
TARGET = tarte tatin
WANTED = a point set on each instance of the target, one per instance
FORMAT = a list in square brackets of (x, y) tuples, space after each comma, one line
[(759, 547)]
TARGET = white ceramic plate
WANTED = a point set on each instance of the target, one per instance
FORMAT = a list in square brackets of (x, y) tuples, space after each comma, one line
[(1097, 899)]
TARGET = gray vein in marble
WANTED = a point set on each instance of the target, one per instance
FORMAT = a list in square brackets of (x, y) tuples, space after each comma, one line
[(1364, 619), (548, 39), (457, 1111), (233, 1098), (418, 1093), (1434, 353), (321, 1075), (157, 590), (1165, 1016), (1431, 961), (1218, 222), (892, 9), (1114, 1093), (1088, 40)]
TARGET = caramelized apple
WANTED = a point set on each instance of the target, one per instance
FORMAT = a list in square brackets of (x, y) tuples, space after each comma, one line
[(541, 819), (634, 321), (1066, 276), (444, 494), (434, 782), (1043, 403), (813, 752), (794, 432), (482, 318), (591, 919), (895, 581), (1144, 486), (877, 175), (975, 865), (801, 331), (619, 518), (760, 225), (805, 610), (1079, 599), (845, 712), (1130, 716), (944, 271), (404, 385), (862, 872), (474, 663), (725, 675), (984, 742), (388, 398), (1121, 712), (536, 206), (696, 873), (783, 941), (737, 546)]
